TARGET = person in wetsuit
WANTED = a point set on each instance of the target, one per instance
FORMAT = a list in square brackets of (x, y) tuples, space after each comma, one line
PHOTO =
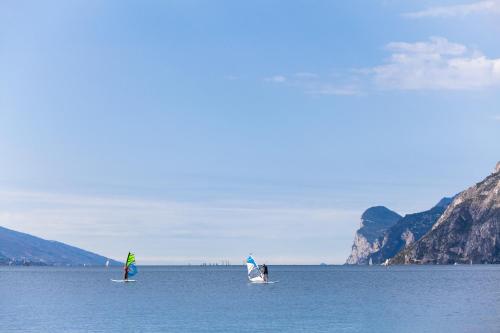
[(265, 272)]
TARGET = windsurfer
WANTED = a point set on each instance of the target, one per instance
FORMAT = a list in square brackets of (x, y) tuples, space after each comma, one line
[(265, 273)]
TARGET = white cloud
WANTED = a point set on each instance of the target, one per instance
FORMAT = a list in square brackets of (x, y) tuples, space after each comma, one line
[(489, 6), (436, 64), (437, 45), (314, 84), (497, 117), (328, 89), (306, 75), (276, 79)]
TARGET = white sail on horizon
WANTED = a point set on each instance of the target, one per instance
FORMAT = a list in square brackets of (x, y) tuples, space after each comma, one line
[(254, 273)]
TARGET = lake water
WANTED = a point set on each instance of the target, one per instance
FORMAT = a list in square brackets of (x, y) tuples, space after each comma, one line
[(204, 299)]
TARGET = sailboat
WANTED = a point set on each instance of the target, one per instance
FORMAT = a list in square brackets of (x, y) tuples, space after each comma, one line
[(254, 273), (130, 268), (107, 263)]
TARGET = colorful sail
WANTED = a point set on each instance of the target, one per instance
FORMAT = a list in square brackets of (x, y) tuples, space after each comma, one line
[(254, 273), (130, 268), (130, 259)]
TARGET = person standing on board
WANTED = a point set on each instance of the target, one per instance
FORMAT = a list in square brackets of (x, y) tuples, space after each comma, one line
[(265, 273), (126, 272)]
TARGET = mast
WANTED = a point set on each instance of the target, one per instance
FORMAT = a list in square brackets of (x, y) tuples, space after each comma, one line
[(126, 267)]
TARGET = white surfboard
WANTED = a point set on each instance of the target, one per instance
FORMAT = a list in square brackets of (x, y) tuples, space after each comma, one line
[(124, 281), (264, 282)]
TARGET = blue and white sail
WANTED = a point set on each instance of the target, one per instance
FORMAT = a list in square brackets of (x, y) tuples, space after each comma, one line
[(254, 273)]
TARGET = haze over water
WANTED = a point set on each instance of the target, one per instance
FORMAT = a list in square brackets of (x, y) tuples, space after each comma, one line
[(202, 299)]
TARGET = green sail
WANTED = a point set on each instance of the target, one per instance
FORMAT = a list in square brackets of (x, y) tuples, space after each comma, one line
[(130, 259)]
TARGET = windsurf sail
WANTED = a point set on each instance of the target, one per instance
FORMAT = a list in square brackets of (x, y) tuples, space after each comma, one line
[(254, 273), (130, 268)]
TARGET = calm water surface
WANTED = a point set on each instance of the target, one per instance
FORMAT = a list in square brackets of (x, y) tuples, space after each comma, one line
[(203, 299)]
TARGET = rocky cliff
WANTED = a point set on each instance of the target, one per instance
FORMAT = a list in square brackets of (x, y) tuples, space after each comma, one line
[(374, 222), (407, 230), (468, 231)]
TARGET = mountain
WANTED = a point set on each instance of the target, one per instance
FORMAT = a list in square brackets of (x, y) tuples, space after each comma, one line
[(468, 231), (374, 222), (18, 248), (407, 230)]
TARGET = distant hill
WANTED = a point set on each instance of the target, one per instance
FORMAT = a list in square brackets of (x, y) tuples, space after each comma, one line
[(463, 229), (17, 248), (467, 232), (375, 221), (407, 230)]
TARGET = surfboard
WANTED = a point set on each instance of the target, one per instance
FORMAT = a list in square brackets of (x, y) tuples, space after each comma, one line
[(263, 282), (123, 281)]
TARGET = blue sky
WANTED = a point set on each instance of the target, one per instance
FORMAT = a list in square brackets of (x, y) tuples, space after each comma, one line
[(192, 131)]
